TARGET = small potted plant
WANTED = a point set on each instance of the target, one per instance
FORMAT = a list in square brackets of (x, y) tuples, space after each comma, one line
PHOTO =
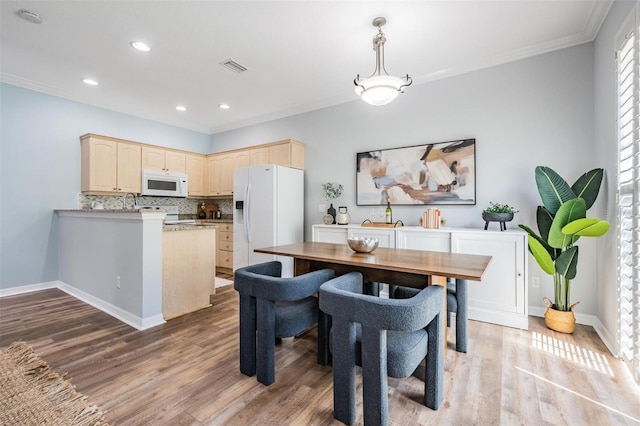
[(331, 192), (562, 220), (498, 213)]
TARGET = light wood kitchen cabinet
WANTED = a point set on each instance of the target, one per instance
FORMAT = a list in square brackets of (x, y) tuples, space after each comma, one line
[(212, 175), (196, 173), (220, 171), (188, 270), (289, 153), (259, 156), (227, 163), (241, 159), (225, 247), (164, 160), (109, 166)]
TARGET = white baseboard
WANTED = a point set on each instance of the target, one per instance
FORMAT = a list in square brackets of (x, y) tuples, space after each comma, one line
[(584, 319), (106, 307), (11, 291), (606, 337)]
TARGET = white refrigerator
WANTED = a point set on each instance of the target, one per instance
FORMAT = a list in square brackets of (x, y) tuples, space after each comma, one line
[(268, 203)]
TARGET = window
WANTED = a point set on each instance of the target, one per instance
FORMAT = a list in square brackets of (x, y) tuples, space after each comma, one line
[(628, 196)]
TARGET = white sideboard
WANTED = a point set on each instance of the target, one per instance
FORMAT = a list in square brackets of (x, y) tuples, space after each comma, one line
[(502, 296)]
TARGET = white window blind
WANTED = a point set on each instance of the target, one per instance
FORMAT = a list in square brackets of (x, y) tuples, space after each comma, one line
[(628, 194)]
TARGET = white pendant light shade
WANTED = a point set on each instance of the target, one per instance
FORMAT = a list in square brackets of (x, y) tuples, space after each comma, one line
[(380, 88)]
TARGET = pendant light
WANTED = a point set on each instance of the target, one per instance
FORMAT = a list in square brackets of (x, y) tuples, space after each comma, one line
[(380, 88)]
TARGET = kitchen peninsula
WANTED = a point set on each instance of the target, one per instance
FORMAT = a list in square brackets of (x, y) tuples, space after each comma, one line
[(129, 264)]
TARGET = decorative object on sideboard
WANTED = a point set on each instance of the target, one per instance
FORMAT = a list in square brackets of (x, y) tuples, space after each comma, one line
[(431, 218), (343, 217), (331, 192), (380, 88), (369, 223), (498, 213), (562, 220)]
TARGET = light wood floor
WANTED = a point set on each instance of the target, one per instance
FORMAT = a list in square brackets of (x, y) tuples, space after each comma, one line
[(186, 371)]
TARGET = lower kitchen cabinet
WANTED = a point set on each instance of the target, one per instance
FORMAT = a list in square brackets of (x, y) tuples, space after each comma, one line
[(188, 270), (225, 247)]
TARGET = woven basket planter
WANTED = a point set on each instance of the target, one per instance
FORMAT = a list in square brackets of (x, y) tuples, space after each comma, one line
[(562, 321)]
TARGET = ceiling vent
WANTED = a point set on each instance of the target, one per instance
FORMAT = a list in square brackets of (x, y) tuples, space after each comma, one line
[(233, 66)]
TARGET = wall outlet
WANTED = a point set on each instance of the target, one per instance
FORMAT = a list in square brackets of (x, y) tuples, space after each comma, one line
[(535, 282), (118, 281), (322, 208)]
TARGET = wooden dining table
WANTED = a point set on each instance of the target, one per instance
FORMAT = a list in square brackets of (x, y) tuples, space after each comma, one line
[(409, 268)]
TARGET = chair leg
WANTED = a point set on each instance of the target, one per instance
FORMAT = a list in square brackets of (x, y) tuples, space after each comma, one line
[(247, 335), (344, 371), (448, 319), (374, 376), (434, 368), (324, 325), (265, 357)]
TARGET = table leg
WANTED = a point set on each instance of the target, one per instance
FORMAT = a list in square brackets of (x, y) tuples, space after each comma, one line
[(438, 280)]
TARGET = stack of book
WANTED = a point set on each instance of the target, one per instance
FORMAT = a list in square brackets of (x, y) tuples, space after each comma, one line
[(431, 218)]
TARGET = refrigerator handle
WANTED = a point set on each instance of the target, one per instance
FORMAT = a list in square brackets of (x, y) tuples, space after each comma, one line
[(245, 212)]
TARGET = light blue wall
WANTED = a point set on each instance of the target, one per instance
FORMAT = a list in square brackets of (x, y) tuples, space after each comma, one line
[(40, 171), (537, 111)]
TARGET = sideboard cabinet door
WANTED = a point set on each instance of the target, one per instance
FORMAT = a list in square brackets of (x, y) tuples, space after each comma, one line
[(501, 297)]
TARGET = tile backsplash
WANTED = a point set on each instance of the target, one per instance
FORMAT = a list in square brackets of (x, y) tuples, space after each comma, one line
[(186, 206)]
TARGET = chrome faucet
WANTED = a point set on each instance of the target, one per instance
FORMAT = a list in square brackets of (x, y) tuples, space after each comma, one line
[(124, 200)]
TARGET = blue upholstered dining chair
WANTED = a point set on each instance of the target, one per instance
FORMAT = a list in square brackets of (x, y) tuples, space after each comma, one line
[(271, 308), (387, 337), (456, 303)]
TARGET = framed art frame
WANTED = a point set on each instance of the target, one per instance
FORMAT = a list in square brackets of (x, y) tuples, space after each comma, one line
[(435, 173)]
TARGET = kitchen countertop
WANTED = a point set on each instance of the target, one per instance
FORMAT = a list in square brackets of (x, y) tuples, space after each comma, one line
[(189, 227), (200, 223)]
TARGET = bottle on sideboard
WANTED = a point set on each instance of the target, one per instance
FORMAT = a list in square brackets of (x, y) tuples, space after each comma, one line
[(388, 213)]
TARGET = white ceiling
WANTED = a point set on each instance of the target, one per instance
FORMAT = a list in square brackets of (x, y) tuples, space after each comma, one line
[(300, 55)]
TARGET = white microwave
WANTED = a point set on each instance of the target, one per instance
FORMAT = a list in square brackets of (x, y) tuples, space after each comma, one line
[(164, 184)]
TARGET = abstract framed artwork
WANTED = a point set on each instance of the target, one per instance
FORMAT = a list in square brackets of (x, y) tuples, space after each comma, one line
[(435, 173)]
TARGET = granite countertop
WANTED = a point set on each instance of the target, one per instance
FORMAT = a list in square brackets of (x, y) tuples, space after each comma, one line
[(188, 227), (206, 221), (104, 210)]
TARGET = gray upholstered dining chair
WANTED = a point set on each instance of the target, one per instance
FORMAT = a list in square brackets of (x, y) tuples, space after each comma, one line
[(456, 303), (271, 308), (387, 337)]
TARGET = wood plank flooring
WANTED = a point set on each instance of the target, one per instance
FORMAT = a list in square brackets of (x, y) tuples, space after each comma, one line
[(186, 371)]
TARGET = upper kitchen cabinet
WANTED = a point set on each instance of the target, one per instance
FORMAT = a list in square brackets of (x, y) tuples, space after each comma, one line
[(196, 173), (163, 160), (287, 153), (219, 174), (109, 166), (259, 156)]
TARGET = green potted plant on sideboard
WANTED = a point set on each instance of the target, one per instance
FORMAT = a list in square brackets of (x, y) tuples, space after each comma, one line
[(562, 220)]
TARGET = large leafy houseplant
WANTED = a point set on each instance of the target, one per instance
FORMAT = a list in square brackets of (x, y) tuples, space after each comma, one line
[(562, 220)]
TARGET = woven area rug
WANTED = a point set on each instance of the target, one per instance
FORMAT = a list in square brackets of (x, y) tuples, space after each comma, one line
[(33, 394)]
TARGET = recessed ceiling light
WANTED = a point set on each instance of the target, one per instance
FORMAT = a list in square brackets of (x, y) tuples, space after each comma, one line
[(224, 106), (90, 81), (140, 45), (30, 16), (181, 108)]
